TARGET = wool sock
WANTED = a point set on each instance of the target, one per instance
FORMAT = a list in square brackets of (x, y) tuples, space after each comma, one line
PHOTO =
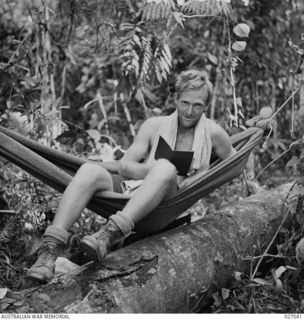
[(57, 233), (124, 223)]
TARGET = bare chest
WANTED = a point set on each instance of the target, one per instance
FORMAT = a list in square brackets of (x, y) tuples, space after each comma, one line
[(184, 141)]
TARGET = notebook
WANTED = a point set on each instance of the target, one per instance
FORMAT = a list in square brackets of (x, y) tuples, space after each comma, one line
[(181, 159)]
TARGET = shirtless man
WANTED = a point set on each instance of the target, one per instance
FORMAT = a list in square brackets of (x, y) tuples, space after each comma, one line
[(192, 98)]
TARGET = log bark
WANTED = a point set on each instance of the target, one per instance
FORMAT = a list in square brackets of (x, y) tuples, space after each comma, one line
[(175, 271)]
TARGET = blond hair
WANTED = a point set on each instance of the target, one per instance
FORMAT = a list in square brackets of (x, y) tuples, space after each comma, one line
[(193, 80)]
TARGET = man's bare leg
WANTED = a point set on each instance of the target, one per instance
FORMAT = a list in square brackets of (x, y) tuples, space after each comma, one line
[(88, 179), (159, 182)]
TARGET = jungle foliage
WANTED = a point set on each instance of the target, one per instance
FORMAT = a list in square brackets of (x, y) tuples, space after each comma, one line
[(82, 75)]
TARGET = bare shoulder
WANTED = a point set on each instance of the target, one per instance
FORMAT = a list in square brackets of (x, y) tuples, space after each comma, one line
[(216, 131), (151, 125), (143, 140), (152, 122), (148, 130), (220, 140)]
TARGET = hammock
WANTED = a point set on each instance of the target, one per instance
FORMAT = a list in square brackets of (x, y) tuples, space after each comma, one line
[(56, 168)]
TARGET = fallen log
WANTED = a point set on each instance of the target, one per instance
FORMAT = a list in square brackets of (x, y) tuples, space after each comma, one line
[(172, 272)]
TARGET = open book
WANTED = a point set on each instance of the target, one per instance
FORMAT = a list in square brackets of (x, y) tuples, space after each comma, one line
[(181, 159)]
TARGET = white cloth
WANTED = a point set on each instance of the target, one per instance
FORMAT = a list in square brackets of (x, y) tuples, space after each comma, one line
[(129, 186)]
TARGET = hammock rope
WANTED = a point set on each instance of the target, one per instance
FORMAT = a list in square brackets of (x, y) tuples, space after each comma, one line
[(56, 169)]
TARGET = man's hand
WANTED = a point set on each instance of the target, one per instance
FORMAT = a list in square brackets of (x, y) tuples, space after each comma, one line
[(262, 120), (133, 170)]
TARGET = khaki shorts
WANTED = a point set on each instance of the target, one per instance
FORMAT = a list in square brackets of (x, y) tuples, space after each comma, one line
[(117, 179)]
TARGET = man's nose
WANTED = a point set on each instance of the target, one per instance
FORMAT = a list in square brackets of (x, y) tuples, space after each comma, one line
[(190, 109)]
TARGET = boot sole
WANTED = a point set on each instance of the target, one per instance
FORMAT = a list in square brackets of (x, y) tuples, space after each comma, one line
[(87, 247), (35, 276)]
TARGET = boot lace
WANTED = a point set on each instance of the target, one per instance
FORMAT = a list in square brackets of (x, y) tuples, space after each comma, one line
[(47, 253), (105, 234)]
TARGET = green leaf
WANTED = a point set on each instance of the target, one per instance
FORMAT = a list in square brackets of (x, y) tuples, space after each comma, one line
[(158, 74), (300, 180), (279, 271), (242, 30), (238, 101), (3, 292), (212, 58), (94, 134), (262, 282), (237, 275), (293, 162), (164, 64), (179, 18), (167, 54), (151, 96), (44, 297), (136, 40), (217, 299), (239, 45), (218, 257), (298, 189), (139, 96), (225, 293)]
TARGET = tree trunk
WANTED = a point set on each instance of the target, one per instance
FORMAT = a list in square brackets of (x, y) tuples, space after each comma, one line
[(301, 108), (175, 271)]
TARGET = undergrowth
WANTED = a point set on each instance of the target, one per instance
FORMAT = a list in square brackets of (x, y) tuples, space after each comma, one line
[(277, 286)]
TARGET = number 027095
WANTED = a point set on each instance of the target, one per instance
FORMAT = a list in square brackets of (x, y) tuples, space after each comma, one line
[(292, 316)]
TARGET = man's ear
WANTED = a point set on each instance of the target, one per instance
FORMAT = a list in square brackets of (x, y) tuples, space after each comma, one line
[(207, 109), (175, 97)]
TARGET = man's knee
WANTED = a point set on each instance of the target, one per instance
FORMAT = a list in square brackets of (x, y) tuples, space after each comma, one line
[(164, 170), (94, 176)]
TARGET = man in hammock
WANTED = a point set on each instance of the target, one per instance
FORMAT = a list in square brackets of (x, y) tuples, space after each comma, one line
[(185, 130)]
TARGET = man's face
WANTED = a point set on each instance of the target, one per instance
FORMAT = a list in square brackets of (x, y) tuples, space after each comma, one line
[(190, 106)]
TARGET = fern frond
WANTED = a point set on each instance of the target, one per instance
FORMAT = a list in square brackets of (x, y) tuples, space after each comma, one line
[(157, 10), (167, 55), (206, 7), (75, 10), (122, 9), (224, 7), (130, 48), (120, 6), (145, 11), (192, 7), (147, 56), (163, 62)]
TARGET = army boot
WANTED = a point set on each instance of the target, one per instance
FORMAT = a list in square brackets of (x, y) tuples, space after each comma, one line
[(112, 234), (54, 240)]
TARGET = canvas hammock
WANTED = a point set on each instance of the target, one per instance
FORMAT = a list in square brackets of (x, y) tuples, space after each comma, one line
[(56, 168)]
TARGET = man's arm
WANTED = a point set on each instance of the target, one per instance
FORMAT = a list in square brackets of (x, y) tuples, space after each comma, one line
[(111, 166), (129, 165), (221, 142)]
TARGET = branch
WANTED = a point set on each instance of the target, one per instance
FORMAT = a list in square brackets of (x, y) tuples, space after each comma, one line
[(7, 211), (275, 235), (200, 16)]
